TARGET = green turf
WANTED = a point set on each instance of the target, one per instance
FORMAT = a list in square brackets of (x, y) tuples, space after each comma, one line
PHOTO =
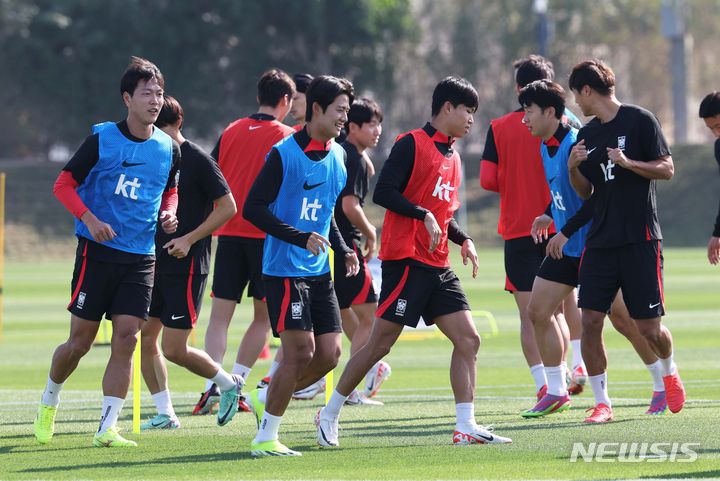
[(408, 438)]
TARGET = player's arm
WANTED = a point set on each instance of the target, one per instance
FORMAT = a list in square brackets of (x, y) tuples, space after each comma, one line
[(356, 215), (463, 239), (352, 264), (582, 216), (71, 177), (580, 183), (169, 202), (713, 250), (654, 146), (489, 164), (541, 225)]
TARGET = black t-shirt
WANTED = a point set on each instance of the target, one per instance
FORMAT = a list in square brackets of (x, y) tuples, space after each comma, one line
[(200, 183), (625, 207), (80, 165), (357, 185), (716, 230)]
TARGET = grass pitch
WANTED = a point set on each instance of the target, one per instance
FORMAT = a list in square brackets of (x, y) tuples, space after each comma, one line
[(408, 438)]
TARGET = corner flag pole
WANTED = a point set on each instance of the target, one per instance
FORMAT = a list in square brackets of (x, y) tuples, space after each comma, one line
[(329, 376), (2, 249)]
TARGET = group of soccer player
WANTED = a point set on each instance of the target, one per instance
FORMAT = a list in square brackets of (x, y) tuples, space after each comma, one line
[(577, 213)]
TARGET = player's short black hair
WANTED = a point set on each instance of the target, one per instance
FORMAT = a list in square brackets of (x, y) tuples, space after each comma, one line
[(544, 94), (362, 111), (710, 105), (595, 74), (532, 68), (273, 86), (455, 90), (139, 69), (323, 90), (302, 81), (171, 112)]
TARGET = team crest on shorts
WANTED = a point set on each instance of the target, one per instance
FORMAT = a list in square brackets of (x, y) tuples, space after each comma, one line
[(400, 308), (296, 310), (621, 142), (81, 300)]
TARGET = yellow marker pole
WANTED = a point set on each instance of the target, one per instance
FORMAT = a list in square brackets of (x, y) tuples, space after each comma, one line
[(2, 249), (136, 386), (329, 376)]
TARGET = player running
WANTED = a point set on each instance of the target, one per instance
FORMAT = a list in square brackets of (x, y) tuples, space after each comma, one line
[(419, 187), (710, 113)]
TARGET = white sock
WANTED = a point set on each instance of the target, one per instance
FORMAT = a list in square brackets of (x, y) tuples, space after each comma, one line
[(577, 359), (538, 374), (656, 371), (273, 367), (269, 427), (244, 371), (332, 409), (262, 395), (668, 366), (163, 403), (111, 408), (208, 384), (599, 387), (224, 381), (464, 417), (556, 380), (565, 372), (51, 395)]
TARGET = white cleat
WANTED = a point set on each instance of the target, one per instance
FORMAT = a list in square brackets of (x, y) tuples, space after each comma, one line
[(357, 399), (311, 391), (479, 435), (327, 430), (375, 377)]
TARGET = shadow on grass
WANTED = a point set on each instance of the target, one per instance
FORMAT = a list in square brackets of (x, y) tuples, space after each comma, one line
[(684, 475)]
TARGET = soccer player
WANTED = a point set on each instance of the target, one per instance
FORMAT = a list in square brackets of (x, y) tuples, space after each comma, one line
[(356, 295), (116, 184), (292, 200), (240, 152), (619, 155), (419, 186), (710, 113), (181, 269), (543, 102), (511, 165), (299, 105)]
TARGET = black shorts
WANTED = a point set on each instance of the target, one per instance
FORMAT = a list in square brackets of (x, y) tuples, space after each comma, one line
[(564, 270), (238, 263), (522, 261), (357, 289), (109, 288), (304, 303), (634, 268), (176, 298), (410, 291)]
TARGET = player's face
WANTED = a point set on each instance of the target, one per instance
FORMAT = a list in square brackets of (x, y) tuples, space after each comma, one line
[(582, 101), (460, 119), (537, 121), (331, 122), (297, 111), (145, 103), (369, 134), (713, 123)]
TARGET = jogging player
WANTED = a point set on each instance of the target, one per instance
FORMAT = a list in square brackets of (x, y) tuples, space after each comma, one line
[(710, 113), (299, 105)]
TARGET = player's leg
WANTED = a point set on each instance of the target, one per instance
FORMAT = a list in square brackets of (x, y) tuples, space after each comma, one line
[(349, 324), (573, 317), (154, 371)]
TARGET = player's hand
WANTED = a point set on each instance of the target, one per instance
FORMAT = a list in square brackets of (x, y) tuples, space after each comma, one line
[(99, 230), (468, 252), (352, 265), (578, 155), (168, 222), (178, 247), (317, 243), (540, 227), (433, 229), (618, 157), (370, 243), (713, 251), (555, 246)]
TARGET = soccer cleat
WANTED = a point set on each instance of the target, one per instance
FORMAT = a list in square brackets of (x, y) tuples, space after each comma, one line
[(208, 401), (602, 413), (44, 424), (327, 430), (549, 404), (577, 380), (161, 421), (479, 435), (264, 382), (229, 402), (256, 406), (674, 392), (658, 404), (311, 391), (375, 377), (541, 393), (271, 448), (112, 439), (357, 399), (243, 406)]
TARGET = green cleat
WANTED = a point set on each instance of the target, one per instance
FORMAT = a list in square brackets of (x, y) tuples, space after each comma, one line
[(112, 439), (257, 407), (45, 423), (161, 421), (271, 448), (229, 402)]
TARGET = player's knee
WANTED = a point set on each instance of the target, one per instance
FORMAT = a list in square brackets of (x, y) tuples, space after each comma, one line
[(79, 346), (621, 324), (592, 324), (537, 315), (175, 354), (300, 358), (650, 331), (123, 343), (468, 345)]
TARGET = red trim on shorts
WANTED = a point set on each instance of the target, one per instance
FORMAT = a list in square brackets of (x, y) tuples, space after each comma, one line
[(509, 286), (82, 276), (284, 306), (659, 275), (191, 305), (362, 295), (394, 294), (647, 233)]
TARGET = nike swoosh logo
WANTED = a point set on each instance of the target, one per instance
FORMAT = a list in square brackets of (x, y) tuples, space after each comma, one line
[(590, 151), (307, 186), (131, 164), (486, 438), (653, 306), (153, 424), (175, 318), (253, 127), (552, 180)]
